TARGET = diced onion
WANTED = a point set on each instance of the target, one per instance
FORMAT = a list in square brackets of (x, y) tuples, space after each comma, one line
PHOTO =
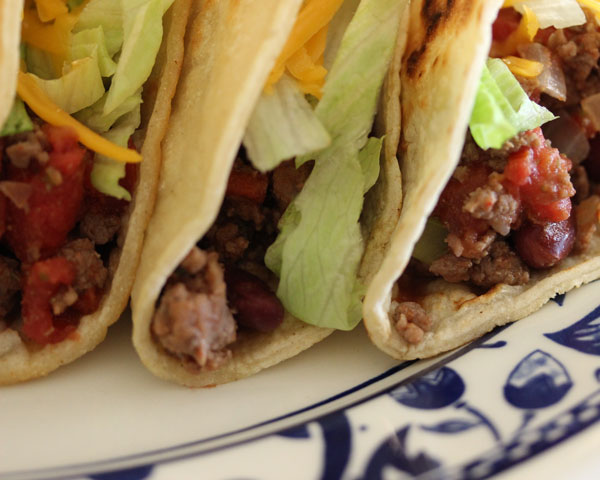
[(568, 136), (591, 107), (552, 79)]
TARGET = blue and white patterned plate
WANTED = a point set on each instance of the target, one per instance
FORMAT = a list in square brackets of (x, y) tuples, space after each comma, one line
[(523, 402)]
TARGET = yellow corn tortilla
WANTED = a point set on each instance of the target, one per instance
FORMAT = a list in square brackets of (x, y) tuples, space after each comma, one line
[(20, 361), (222, 79), (446, 52)]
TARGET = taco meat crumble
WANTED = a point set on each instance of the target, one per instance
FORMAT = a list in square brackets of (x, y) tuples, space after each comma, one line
[(526, 206), (222, 288)]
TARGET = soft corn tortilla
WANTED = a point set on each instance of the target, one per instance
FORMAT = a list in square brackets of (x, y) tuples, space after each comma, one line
[(446, 52), (206, 130), (20, 361), (10, 36)]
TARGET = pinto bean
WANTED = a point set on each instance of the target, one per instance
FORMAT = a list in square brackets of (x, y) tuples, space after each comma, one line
[(255, 306), (543, 246)]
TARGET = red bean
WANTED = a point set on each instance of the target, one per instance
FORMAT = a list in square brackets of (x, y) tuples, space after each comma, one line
[(256, 305), (543, 246)]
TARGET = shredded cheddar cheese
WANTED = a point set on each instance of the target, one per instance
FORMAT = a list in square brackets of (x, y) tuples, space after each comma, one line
[(302, 55), (523, 67), (593, 5), (525, 33), (49, 10), (47, 26), (37, 100)]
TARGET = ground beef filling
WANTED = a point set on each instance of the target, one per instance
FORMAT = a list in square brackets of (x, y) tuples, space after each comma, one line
[(50, 272), (222, 288), (525, 206), (193, 320)]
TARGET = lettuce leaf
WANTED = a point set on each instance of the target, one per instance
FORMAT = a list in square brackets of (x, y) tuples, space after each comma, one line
[(283, 125), (502, 108), (94, 117), (319, 248), (66, 91), (143, 32), (18, 120), (109, 15), (92, 43), (107, 172)]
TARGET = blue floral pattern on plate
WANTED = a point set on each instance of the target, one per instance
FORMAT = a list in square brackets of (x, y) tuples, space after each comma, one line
[(490, 407)]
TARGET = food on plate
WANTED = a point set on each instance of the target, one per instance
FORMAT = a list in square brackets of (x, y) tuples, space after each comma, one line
[(500, 106), (85, 94), (253, 252)]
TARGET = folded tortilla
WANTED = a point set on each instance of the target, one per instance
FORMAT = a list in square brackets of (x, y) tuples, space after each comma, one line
[(446, 53), (22, 360), (206, 130)]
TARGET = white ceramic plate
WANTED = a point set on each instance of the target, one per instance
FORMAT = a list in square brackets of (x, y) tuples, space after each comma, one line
[(523, 402)]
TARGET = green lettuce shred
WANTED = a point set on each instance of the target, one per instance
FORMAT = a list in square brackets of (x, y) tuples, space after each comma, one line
[(143, 32), (92, 43), (283, 125), (432, 244), (502, 108), (109, 15), (107, 172), (95, 118), (66, 91), (114, 45), (18, 120), (319, 247)]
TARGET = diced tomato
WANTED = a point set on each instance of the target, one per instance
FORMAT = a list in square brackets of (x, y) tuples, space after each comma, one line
[(249, 184), (506, 23), (542, 177), (519, 168), (43, 281), (41, 229)]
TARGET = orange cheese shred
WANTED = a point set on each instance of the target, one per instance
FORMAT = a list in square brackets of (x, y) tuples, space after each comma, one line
[(303, 51), (36, 99), (523, 67), (49, 10), (593, 5), (525, 33), (47, 26)]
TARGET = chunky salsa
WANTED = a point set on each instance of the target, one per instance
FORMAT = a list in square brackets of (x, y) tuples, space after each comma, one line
[(55, 232)]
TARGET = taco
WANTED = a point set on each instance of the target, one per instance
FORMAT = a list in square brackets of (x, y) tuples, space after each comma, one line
[(253, 252), (499, 165), (74, 199)]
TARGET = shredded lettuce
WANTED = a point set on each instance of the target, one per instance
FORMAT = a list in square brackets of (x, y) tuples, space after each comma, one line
[(107, 172), (18, 120), (114, 43), (320, 245), (39, 63), (283, 125), (554, 13), (143, 32), (109, 15), (95, 118), (66, 91), (92, 43), (432, 244), (502, 108)]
